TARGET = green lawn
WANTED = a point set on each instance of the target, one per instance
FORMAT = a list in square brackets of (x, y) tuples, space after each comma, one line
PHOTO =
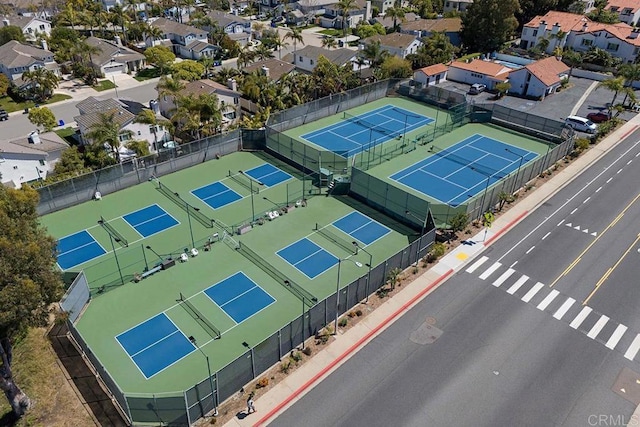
[(66, 134), (104, 85), (8, 104), (147, 73), (331, 32)]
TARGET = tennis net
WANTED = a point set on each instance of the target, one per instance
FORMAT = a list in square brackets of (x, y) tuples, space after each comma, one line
[(199, 317), (331, 236), (444, 153), (191, 210), (375, 127), (297, 290), (245, 181), (113, 232)]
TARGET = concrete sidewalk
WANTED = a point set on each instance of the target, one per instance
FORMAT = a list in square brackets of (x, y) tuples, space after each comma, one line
[(346, 345)]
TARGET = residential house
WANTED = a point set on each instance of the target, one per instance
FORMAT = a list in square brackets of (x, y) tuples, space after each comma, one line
[(31, 26), (231, 24), (539, 79), (554, 27), (332, 17), (38, 8), (478, 71), (124, 113), (239, 6), (273, 68), (16, 58), (620, 40), (184, 40), (456, 5), (272, 7), (295, 18), (387, 22), (382, 5), (397, 44), (628, 11), (228, 97), (28, 159), (306, 58), (421, 28), (312, 7), (114, 58), (431, 75)]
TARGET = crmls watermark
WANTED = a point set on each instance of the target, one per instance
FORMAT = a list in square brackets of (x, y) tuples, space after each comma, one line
[(609, 420)]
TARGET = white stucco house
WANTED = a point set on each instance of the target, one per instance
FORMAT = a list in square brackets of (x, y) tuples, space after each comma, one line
[(539, 79), (478, 71), (184, 40), (628, 11), (431, 75), (32, 26), (397, 44), (553, 26), (113, 58), (31, 158), (457, 5), (16, 58)]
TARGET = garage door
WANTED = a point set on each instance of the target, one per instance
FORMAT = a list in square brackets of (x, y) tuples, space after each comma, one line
[(113, 69)]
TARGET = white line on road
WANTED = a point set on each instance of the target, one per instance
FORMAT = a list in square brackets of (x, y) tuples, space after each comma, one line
[(477, 264), (573, 211), (629, 162), (513, 265), (599, 188), (560, 223), (595, 330), (633, 348), (527, 297), (500, 280), (564, 308), (580, 317), (615, 337), (609, 180), (530, 249), (586, 200), (546, 235), (548, 299), (512, 290), (619, 170), (490, 271)]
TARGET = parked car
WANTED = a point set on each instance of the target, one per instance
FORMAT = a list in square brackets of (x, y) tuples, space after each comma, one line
[(4, 115), (477, 88), (581, 124), (598, 117)]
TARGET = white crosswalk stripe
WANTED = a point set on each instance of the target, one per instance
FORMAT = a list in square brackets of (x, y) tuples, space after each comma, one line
[(549, 298), (514, 288), (490, 271), (595, 330), (564, 308), (477, 264), (532, 292), (575, 323), (616, 336), (500, 280), (633, 348)]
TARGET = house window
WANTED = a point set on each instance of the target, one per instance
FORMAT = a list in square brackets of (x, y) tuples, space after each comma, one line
[(626, 11), (139, 133), (612, 46), (42, 27), (235, 101), (41, 162), (586, 42), (535, 33), (311, 61), (124, 138), (300, 59), (636, 50)]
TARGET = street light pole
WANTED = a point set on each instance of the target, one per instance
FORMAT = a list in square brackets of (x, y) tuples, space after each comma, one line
[(213, 399), (357, 264), (370, 265), (515, 181), (424, 226)]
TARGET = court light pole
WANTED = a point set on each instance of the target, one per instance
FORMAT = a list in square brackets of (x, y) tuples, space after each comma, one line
[(515, 181), (115, 255), (424, 226), (213, 399), (155, 253), (253, 209), (357, 264), (186, 205), (144, 255), (370, 265)]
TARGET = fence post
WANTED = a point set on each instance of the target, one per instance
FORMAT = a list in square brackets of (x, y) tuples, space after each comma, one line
[(186, 406)]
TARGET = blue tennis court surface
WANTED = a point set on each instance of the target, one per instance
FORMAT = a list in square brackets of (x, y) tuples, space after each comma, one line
[(78, 248), (361, 227), (464, 170), (155, 344), (308, 257), (268, 175), (150, 220), (216, 194), (239, 297), (358, 133)]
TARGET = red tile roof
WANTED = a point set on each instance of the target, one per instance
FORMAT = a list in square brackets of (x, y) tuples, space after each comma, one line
[(548, 70), (432, 70), (487, 68), (623, 4), (567, 21)]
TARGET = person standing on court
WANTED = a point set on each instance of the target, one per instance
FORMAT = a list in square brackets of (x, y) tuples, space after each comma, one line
[(250, 405)]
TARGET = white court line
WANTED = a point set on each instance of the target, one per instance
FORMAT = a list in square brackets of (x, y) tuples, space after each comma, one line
[(615, 337), (633, 348), (512, 290), (564, 308), (548, 299), (527, 297), (595, 330), (500, 280), (580, 317), (477, 264), (490, 271)]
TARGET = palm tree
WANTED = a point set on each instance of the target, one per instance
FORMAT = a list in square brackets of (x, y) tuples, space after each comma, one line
[(374, 53), (572, 59), (278, 44), (152, 32), (262, 52), (107, 131), (295, 35), (42, 82), (344, 6), (148, 117), (329, 42), (631, 73), (168, 86), (360, 61), (396, 13), (615, 85), (246, 57), (117, 18), (207, 62)]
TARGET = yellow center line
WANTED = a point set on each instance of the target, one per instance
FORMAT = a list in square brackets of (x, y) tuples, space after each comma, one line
[(610, 270), (579, 257)]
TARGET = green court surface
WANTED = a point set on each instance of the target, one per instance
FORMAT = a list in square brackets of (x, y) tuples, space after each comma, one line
[(115, 308)]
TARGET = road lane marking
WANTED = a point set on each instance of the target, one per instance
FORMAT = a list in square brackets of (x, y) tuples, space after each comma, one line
[(586, 200), (615, 337), (595, 330), (530, 249), (490, 271), (546, 235), (619, 170), (573, 211), (599, 188), (500, 280), (477, 264), (609, 180), (564, 308), (527, 297), (580, 317), (633, 348), (521, 281), (548, 299)]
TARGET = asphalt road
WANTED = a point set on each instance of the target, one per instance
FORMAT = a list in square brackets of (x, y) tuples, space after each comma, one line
[(508, 354)]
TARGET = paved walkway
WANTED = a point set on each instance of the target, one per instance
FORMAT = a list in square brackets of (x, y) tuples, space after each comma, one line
[(79, 91), (583, 98), (346, 345)]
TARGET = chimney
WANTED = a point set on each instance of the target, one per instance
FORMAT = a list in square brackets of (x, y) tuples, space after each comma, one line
[(231, 84), (45, 45), (633, 34), (34, 138), (556, 28), (265, 71), (6, 22), (117, 39), (584, 27)]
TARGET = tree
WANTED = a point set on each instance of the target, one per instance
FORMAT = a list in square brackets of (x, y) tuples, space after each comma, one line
[(42, 117), (107, 132), (602, 15), (29, 282), (329, 42), (4, 84), (11, 32), (374, 54), (148, 117), (488, 24), (396, 13), (395, 67), (41, 81), (631, 74), (502, 88), (435, 49), (365, 30), (572, 59), (295, 35), (160, 57), (459, 222), (188, 70), (70, 163), (615, 85), (168, 86), (141, 148), (345, 6)]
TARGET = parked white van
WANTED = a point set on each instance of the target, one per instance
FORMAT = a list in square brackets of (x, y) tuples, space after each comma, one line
[(581, 124)]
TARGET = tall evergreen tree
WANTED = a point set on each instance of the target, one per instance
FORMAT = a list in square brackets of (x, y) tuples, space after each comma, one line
[(488, 24)]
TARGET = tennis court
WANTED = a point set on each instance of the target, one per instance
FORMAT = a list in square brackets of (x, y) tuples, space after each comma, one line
[(239, 297), (268, 175), (216, 195), (364, 131), (309, 258), (150, 220), (361, 227), (463, 170), (78, 248)]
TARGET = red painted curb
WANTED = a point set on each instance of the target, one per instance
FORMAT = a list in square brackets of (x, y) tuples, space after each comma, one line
[(629, 132), (505, 228), (331, 365)]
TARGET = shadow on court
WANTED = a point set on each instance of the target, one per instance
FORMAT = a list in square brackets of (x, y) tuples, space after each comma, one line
[(95, 398)]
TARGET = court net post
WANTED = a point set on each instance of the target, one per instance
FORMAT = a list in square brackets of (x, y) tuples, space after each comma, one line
[(113, 232)]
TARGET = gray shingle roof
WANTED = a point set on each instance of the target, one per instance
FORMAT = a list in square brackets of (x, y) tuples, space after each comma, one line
[(335, 56), (277, 68), (199, 46), (92, 104), (172, 27), (50, 142), (15, 54), (120, 116), (396, 40), (223, 19), (110, 50)]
